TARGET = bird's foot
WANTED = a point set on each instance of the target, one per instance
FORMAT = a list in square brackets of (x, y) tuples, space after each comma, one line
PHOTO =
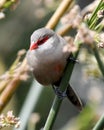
[(59, 93), (72, 59)]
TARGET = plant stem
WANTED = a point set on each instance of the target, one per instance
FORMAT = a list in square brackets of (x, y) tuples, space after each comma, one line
[(8, 92), (29, 104), (57, 102), (94, 18), (100, 124), (65, 29), (65, 4), (100, 64), (53, 113), (11, 87)]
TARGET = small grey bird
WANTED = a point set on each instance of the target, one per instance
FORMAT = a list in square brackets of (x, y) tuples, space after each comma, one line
[(47, 61)]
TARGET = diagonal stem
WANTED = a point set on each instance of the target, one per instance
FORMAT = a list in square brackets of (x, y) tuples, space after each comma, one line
[(97, 56), (57, 102), (58, 13), (100, 124)]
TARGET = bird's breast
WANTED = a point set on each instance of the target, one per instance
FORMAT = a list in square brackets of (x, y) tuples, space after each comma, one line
[(49, 72)]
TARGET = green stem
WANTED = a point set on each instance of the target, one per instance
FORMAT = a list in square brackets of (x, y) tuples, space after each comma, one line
[(57, 102), (100, 124), (53, 113), (101, 66), (93, 19)]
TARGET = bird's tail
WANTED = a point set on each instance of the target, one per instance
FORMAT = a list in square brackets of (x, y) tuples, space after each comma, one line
[(73, 97)]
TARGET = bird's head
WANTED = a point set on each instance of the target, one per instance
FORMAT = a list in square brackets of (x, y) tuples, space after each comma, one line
[(40, 37)]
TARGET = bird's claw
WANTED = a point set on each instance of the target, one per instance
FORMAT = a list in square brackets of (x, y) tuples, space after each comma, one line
[(72, 59), (59, 93)]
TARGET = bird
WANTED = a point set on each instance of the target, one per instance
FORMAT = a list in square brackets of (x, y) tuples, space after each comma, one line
[(48, 61)]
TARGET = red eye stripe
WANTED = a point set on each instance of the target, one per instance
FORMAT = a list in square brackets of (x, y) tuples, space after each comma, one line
[(41, 41)]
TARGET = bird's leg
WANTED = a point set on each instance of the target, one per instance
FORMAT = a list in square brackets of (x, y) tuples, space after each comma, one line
[(70, 94), (59, 93)]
